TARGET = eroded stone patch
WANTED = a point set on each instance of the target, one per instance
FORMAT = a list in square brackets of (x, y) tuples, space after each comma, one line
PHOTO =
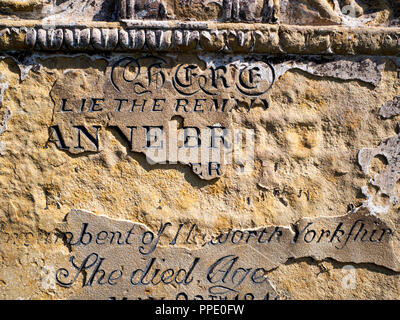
[(390, 108)]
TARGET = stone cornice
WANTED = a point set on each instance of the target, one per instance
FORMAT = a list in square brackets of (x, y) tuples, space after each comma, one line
[(179, 36)]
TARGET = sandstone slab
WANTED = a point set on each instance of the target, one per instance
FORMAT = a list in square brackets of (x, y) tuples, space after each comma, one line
[(194, 149)]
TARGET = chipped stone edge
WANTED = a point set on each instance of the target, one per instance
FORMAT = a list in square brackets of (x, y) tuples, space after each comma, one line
[(175, 36)]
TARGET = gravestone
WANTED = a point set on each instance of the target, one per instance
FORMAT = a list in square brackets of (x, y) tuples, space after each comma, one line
[(199, 150)]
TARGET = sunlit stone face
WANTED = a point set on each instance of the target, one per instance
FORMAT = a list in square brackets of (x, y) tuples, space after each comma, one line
[(199, 150)]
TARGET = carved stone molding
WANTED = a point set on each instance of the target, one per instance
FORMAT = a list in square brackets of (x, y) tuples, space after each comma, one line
[(199, 37)]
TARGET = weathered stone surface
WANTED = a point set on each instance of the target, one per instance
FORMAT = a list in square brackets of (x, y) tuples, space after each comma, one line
[(195, 149), (387, 178), (390, 108)]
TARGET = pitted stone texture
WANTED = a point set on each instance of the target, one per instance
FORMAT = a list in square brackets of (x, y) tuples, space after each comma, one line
[(390, 108), (293, 12), (387, 179)]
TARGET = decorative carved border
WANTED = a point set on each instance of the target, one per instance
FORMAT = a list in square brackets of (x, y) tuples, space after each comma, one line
[(178, 36)]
